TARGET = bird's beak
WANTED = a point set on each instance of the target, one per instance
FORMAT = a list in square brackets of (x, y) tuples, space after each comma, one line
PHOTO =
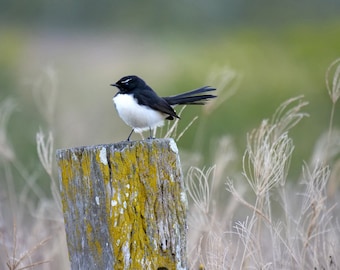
[(116, 85)]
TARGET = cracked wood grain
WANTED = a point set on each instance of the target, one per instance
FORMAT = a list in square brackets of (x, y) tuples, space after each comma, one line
[(124, 205)]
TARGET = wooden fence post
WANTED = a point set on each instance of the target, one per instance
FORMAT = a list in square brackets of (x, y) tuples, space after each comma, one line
[(124, 205)]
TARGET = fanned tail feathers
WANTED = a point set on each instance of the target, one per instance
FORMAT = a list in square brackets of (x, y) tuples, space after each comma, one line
[(191, 97)]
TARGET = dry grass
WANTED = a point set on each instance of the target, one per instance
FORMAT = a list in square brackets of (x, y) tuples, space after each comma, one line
[(17, 261), (255, 219), (265, 222), (31, 234)]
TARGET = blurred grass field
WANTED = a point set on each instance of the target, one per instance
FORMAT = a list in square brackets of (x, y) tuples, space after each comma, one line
[(58, 81), (270, 66)]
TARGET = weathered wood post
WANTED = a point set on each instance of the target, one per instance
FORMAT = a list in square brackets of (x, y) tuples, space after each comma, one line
[(124, 205)]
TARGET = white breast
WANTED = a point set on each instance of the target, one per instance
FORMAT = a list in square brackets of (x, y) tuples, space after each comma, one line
[(139, 117)]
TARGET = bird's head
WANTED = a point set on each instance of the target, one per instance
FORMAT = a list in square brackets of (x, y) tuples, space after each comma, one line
[(128, 83)]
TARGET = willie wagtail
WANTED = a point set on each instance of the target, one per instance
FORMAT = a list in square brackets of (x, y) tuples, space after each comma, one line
[(141, 108)]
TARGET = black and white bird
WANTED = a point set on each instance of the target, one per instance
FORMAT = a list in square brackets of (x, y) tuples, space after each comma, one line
[(142, 109)]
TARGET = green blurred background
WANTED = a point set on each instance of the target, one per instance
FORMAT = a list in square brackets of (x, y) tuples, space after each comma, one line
[(278, 49)]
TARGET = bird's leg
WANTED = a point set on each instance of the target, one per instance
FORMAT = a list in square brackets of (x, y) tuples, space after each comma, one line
[(128, 138), (150, 133)]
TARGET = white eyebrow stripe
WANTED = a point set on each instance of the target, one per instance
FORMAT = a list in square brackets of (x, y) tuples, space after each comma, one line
[(127, 80)]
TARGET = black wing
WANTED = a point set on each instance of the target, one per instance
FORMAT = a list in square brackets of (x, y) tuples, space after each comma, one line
[(148, 97)]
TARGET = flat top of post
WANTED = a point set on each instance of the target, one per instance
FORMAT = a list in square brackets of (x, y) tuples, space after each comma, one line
[(122, 145)]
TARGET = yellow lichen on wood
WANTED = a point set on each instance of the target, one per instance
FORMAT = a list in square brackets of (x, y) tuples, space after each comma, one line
[(77, 189), (124, 204)]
